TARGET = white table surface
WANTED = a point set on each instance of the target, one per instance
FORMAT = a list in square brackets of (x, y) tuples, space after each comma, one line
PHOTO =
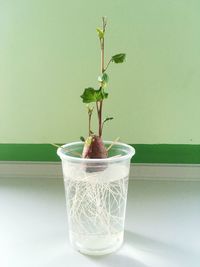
[(162, 226)]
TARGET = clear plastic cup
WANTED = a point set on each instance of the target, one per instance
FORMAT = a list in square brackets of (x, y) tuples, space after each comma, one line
[(96, 195)]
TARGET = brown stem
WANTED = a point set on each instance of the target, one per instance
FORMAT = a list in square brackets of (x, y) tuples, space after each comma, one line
[(102, 71), (102, 56), (100, 119), (89, 126), (97, 107)]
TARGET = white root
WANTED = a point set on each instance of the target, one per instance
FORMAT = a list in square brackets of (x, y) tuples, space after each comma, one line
[(96, 208)]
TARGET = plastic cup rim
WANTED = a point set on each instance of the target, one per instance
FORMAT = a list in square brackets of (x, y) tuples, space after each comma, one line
[(63, 156)]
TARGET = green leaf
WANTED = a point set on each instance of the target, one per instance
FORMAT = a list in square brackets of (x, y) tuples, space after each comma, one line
[(119, 58), (104, 95), (103, 78), (82, 138), (100, 33), (108, 119), (91, 95), (101, 94)]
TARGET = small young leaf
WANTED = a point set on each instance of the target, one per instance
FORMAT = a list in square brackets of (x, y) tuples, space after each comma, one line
[(101, 94), (103, 79), (91, 95), (108, 119), (119, 58), (82, 138), (100, 79), (90, 109), (100, 33), (104, 95)]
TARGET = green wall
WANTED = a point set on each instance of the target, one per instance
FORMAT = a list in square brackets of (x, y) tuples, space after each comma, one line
[(49, 53)]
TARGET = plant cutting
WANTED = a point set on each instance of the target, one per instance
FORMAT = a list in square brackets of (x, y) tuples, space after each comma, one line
[(96, 173), (94, 146)]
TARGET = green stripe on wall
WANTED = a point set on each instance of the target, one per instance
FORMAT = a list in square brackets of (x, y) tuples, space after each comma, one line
[(164, 153), (153, 153), (28, 152)]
